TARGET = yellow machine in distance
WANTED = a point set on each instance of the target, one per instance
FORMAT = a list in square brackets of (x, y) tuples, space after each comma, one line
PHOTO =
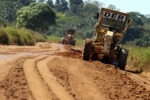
[(69, 37)]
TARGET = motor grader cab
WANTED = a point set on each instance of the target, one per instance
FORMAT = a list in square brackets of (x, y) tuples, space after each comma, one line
[(69, 37), (104, 45)]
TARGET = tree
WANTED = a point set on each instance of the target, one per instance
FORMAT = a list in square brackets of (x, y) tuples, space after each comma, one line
[(113, 7), (75, 2), (41, 1), (132, 34), (76, 6), (8, 10), (90, 9), (50, 3), (36, 16), (138, 19), (26, 2), (61, 5)]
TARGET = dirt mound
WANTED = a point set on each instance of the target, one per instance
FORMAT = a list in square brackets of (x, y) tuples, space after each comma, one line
[(73, 53)]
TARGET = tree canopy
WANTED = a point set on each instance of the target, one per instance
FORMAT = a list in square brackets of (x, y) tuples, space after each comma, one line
[(37, 16), (61, 5)]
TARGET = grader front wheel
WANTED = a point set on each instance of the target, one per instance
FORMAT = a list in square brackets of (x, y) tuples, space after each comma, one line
[(87, 50), (123, 59)]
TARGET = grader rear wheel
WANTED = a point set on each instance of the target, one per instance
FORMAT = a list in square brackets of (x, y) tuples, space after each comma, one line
[(87, 50), (73, 43)]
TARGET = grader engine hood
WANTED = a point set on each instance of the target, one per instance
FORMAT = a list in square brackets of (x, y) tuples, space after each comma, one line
[(107, 41)]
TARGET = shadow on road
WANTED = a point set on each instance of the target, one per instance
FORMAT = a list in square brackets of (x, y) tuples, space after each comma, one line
[(134, 71)]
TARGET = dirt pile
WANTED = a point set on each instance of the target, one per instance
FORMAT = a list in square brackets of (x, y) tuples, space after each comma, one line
[(73, 53)]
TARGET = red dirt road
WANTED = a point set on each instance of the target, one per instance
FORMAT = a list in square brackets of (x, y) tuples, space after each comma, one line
[(50, 71)]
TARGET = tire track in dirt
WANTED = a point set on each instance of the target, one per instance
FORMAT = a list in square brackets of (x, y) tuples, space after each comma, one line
[(38, 89), (14, 86), (14, 83), (98, 81), (70, 75), (51, 81), (42, 83), (87, 86)]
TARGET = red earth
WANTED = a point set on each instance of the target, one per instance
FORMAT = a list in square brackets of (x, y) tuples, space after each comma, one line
[(52, 71)]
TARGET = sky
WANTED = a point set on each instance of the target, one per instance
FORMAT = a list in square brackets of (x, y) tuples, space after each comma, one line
[(141, 6)]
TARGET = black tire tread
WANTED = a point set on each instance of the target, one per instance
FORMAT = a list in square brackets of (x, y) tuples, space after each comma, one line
[(87, 49), (123, 59)]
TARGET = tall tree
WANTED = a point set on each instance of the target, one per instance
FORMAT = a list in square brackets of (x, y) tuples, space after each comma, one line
[(61, 5), (41, 1), (8, 10), (138, 19), (90, 8), (75, 2), (76, 6), (50, 3), (26, 2), (113, 7)]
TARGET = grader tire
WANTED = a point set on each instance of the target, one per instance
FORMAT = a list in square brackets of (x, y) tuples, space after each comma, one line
[(74, 42), (63, 41), (123, 59), (87, 50)]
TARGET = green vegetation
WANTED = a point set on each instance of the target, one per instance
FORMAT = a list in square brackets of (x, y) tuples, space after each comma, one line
[(139, 57), (9, 8), (4, 39), (11, 35), (53, 38), (36, 16), (58, 39), (80, 42)]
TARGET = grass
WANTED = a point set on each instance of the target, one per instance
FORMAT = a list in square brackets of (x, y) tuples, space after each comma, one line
[(4, 39), (139, 57), (11, 35), (80, 43), (52, 38)]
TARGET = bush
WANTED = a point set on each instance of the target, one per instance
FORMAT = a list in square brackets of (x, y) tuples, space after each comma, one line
[(11, 35), (4, 39)]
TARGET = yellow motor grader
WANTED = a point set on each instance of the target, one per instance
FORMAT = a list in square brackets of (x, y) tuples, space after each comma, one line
[(105, 45), (69, 37)]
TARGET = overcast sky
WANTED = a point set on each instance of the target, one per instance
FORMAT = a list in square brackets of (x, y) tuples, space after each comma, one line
[(142, 6)]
